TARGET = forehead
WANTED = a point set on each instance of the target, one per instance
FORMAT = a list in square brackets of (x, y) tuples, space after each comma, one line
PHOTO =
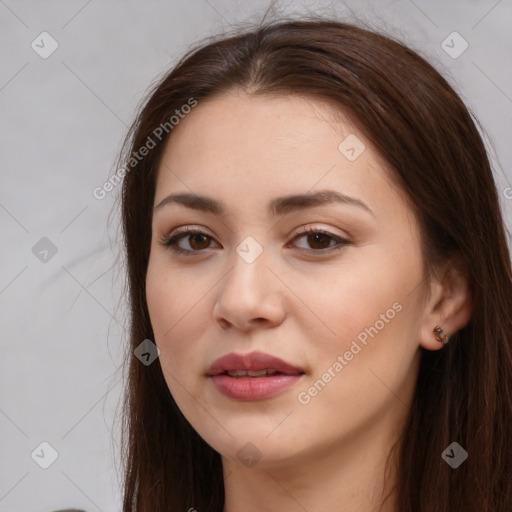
[(260, 126), (266, 146)]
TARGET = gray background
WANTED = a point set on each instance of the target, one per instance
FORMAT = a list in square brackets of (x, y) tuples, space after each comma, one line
[(62, 122)]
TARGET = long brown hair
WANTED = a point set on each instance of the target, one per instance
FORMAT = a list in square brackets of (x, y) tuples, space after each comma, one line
[(431, 142)]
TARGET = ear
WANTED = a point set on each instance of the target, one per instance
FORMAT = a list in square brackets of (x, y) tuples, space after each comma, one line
[(449, 304)]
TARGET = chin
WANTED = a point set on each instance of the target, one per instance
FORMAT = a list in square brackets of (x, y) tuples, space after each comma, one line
[(252, 446)]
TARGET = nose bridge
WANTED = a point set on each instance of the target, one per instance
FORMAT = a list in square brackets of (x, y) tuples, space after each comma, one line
[(249, 263), (249, 291)]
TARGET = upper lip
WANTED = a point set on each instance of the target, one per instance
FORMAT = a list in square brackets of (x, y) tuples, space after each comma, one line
[(252, 361)]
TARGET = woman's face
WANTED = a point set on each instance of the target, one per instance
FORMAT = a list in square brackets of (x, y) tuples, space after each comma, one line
[(341, 305)]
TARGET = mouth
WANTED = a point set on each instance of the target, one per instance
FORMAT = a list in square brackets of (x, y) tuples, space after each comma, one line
[(252, 364), (253, 376)]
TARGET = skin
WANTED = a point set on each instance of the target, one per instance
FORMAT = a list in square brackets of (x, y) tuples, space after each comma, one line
[(300, 300)]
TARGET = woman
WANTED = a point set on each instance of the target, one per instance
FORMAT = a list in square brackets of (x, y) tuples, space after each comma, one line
[(315, 246)]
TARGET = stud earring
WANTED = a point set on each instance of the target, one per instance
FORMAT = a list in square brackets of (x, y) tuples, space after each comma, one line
[(441, 337)]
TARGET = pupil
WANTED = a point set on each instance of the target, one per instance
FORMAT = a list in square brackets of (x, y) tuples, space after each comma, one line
[(317, 238), (199, 236)]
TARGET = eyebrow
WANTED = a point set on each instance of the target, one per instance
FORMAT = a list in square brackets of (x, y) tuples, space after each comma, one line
[(278, 206)]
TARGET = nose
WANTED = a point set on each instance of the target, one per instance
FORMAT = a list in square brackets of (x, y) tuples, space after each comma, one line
[(249, 296)]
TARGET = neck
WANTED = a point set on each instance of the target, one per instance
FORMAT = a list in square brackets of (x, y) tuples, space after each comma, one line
[(346, 478)]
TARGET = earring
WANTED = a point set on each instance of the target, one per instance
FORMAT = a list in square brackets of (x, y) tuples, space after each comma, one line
[(441, 337)]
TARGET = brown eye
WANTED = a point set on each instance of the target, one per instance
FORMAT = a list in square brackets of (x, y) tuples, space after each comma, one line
[(197, 241), (319, 240)]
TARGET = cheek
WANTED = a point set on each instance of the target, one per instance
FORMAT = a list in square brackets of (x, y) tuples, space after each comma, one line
[(372, 308), (177, 312), (171, 296), (365, 290)]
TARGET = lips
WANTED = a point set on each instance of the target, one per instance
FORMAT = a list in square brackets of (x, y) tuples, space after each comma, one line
[(253, 364), (238, 374), (253, 376)]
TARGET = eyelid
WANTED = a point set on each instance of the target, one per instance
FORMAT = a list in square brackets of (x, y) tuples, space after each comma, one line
[(340, 241), (309, 228), (189, 228), (170, 241)]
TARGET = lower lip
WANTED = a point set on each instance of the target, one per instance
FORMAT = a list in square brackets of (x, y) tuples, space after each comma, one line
[(253, 388)]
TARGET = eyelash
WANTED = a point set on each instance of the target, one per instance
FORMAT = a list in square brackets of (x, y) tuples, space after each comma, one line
[(171, 241)]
